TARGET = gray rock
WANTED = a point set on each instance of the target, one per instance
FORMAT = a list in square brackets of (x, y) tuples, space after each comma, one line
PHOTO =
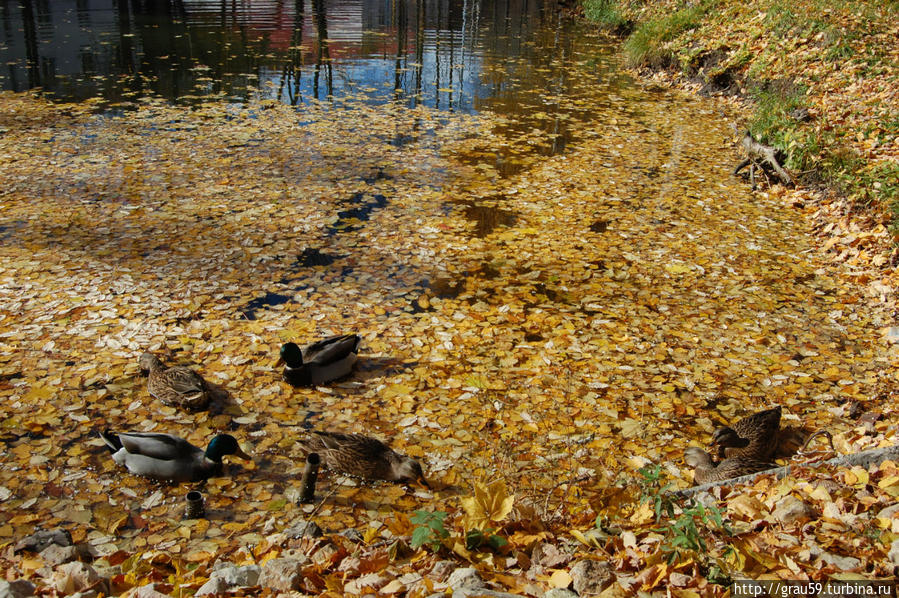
[(465, 577), (146, 591), (479, 592), (353, 534), (790, 510), (888, 512), (19, 588), (55, 554), (226, 577), (591, 577), (369, 580), (441, 570), (350, 566), (213, 586), (548, 556), (560, 593), (303, 529), (73, 577), (843, 563), (325, 555), (284, 574), (894, 553), (38, 541)]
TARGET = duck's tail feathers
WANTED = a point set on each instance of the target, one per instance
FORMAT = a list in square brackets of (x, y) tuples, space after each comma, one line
[(112, 440)]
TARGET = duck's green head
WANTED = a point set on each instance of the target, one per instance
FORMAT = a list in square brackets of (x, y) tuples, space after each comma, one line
[(224, 444), (291, 355)]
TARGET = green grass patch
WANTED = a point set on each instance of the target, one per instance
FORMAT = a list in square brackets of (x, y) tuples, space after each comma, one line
[(605, 12), (773, 122), (880, 184), (645, 46)]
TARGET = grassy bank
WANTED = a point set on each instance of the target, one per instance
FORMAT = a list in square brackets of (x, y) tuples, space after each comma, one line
[(822, 76)]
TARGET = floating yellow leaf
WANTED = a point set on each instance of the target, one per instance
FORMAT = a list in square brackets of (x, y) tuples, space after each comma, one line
[(677, 268), (630, 428)]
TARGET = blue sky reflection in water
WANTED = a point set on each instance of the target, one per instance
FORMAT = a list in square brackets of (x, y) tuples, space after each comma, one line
[(458, 55)]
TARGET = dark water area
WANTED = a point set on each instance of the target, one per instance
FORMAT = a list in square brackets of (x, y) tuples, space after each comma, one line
[(443, 54), (520, 58)]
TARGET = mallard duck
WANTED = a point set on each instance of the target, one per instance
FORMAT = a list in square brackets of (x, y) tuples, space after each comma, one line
[(320, 362), (168, 457), (753, 437), (178, 386), (705, 470), (362, 456)]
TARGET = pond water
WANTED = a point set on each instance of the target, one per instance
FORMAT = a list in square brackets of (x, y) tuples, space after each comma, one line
[(467, 55), (542, 72)]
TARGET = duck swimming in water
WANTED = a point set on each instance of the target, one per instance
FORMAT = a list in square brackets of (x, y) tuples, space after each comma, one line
[(169, 457), (320, 362)]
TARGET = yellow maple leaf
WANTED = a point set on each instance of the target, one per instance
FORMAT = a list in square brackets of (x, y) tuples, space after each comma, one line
[(490, 503)]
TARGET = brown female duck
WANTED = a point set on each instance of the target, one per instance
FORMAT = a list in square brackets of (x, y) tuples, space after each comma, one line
[(753, 437), (705, 470), (178, 386), (362, 456)]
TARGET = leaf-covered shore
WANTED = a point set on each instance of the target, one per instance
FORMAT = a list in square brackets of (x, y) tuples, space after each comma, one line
[(559, 329), (817, 80)]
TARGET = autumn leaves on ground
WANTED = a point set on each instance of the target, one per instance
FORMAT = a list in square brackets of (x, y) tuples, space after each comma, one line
[(538, 341)]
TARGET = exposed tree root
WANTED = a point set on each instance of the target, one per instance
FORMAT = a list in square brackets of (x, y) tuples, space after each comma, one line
[(763, 157)]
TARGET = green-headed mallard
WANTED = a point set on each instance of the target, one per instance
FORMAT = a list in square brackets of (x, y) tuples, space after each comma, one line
[(178, 386), (320, 362), (168, 457), (705, 470), (753, 437), (362, 456)]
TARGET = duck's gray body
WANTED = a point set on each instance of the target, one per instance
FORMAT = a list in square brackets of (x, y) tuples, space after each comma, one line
[(325, 360), (160, 456)]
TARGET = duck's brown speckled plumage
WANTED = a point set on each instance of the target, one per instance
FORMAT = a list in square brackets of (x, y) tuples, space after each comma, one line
[(753, 437), (177, 386), (705, 470), (361, 456)]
